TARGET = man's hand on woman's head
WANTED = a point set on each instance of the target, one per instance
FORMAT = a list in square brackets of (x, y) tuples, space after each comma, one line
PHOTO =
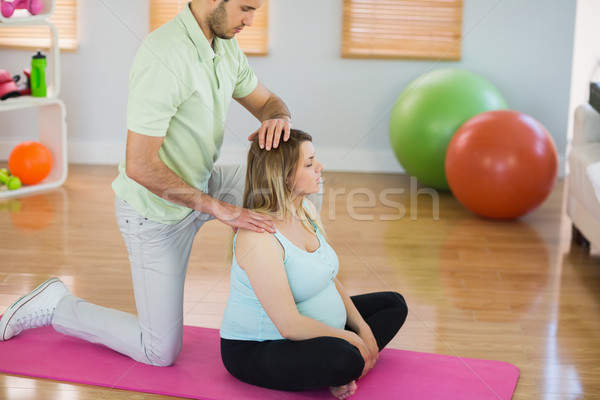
[(271, 132)]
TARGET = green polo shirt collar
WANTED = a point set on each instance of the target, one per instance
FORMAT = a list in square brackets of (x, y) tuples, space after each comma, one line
[(205, 51)]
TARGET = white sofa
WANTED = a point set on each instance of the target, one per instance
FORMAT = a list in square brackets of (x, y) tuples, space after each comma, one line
[(583, 193)]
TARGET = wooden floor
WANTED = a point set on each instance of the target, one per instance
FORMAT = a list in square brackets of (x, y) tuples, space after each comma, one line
[(513, 291)]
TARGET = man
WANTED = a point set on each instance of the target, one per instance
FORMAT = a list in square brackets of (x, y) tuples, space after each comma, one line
[(149, 117), (181, 84)]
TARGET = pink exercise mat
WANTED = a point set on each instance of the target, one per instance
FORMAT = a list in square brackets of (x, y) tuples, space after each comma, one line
[(199, 373)]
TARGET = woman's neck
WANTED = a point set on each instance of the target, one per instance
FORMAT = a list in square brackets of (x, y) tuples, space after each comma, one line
[(292, 215), (297, 203)]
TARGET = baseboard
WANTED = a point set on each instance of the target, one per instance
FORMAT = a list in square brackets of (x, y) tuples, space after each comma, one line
[(374, 161)]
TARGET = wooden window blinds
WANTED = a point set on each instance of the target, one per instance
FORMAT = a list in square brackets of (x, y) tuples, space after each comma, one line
[(412, 29)]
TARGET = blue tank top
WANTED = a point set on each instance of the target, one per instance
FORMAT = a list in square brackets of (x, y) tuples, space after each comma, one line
[(310, 276)]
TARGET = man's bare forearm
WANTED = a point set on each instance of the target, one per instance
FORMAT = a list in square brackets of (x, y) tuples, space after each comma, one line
[(275, 108), (163, 182)]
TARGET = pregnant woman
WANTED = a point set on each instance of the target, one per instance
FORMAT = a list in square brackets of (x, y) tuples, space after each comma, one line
[(289, 324)]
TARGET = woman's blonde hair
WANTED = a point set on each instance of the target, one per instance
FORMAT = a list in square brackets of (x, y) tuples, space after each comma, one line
[(270, 180), (269, 172)]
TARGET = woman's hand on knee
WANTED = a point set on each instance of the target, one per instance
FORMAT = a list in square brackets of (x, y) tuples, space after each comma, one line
[(370, 360), (368, 338), (367, 355)]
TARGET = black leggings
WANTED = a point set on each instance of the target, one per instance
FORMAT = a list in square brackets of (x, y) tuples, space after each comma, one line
[(317, 362)]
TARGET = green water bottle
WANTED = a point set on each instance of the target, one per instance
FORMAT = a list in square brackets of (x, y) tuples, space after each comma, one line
[(38, 75)]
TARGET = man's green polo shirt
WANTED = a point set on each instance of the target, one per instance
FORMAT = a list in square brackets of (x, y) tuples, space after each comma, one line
[(181, 89)]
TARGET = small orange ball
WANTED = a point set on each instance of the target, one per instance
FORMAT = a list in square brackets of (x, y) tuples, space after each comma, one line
[(31, 162)]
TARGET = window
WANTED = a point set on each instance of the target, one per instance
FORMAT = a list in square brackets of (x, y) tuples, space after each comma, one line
[(253, 40), (64, 19), (416, 29)]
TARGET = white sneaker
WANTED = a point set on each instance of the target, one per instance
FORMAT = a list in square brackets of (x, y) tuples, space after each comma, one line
[(33, 310)]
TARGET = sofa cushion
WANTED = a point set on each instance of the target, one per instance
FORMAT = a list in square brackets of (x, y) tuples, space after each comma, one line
[(593, 173)]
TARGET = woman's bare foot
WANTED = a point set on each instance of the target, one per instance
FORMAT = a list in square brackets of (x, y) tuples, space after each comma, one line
[(343, 392)]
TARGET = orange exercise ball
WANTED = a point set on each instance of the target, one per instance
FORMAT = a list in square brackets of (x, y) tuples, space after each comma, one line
[(31, 162), (501, 164)]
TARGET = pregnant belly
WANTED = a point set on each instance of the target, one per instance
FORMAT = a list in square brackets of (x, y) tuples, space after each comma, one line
[(327, 307)]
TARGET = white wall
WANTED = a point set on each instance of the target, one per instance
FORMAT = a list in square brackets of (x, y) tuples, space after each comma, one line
[(524, 47)]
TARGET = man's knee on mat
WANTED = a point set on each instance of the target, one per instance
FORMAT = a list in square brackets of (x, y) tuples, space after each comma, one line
[(163, 356)]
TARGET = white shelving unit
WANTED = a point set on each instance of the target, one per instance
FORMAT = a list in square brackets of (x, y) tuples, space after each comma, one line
[(51, 112)]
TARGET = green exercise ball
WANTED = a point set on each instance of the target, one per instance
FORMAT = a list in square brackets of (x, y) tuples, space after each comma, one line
[(429, 111)]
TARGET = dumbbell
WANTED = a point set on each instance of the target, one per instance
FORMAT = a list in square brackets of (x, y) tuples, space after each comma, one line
[(11, 182), (8, 8)]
